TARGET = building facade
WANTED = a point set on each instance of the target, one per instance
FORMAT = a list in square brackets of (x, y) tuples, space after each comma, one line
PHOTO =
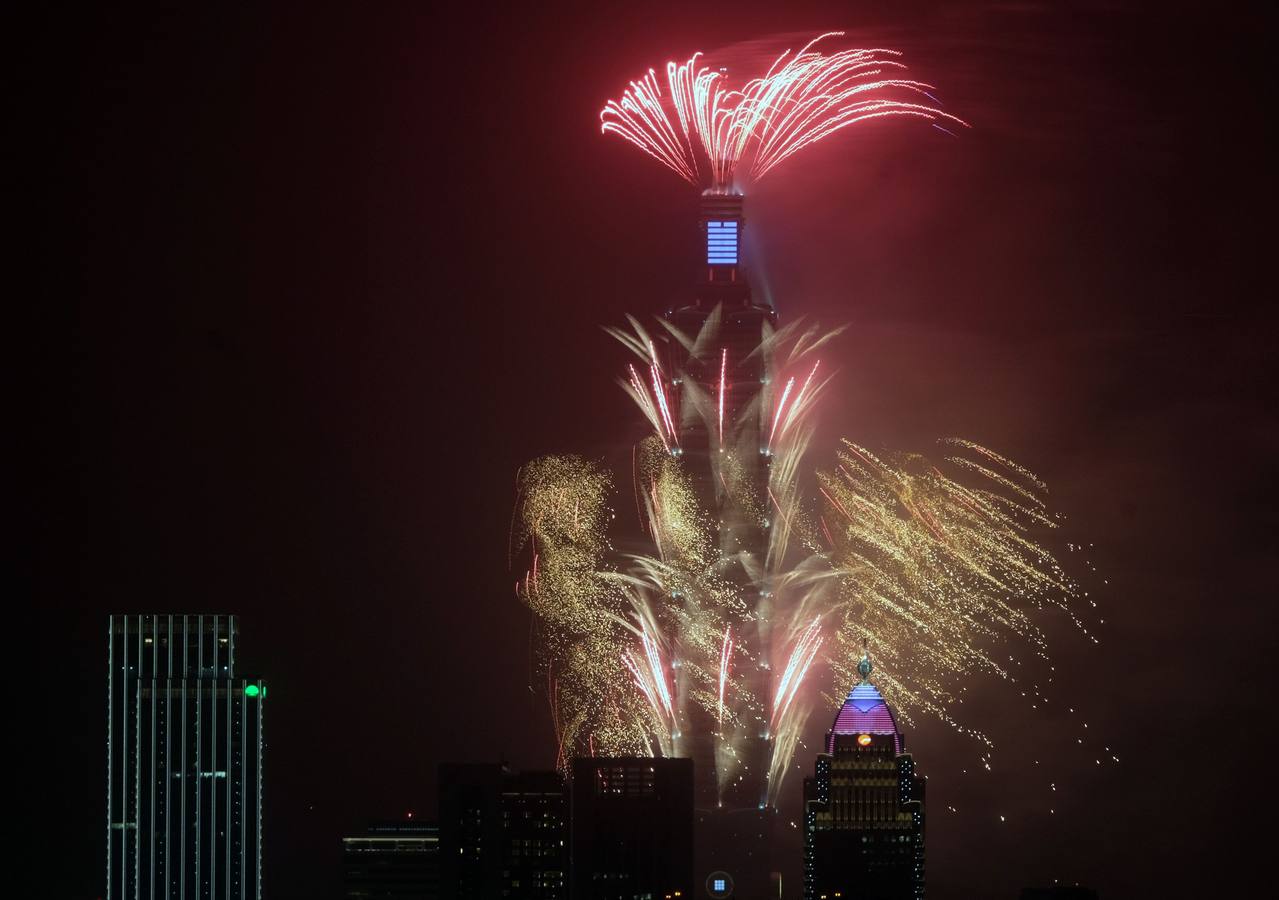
[(184, 761), (864, 806), (392, 861), (534, 807), (502, 833), (1059, 892), (632, 828)]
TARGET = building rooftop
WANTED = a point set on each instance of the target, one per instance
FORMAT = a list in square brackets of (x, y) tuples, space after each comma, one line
[(864, 711)]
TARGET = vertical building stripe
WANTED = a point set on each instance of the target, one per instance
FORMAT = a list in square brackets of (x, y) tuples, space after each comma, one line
[(151, 829), (110, 750), (243, 807)]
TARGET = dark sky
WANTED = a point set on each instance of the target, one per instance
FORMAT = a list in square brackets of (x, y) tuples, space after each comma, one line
[(314, 284)]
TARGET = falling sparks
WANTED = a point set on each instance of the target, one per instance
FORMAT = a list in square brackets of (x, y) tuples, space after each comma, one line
[(640, 117), (938, 564), (936, 560), (802, 98)]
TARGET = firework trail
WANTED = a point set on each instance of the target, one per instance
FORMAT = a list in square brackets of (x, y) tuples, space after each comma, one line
[(800, 659), (725, 659), (934, 560), (801, 99)]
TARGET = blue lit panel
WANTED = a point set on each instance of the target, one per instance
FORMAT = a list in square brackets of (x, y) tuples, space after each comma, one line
[(721, 243)]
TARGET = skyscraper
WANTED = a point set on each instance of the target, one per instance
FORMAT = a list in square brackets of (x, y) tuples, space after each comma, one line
[(632, 828), (502, 833), (184, 761), (1059, 892), (535, 836), (864, 806), (392, 861), (735, 819), (470, 830), (718, 394)]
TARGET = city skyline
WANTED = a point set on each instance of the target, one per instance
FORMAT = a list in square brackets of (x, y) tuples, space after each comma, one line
[(297, 347)]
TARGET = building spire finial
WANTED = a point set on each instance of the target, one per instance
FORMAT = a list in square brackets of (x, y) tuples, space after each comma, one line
[(864, 667)]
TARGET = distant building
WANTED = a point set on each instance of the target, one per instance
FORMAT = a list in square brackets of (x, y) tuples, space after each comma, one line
[(864, 807), (632, 828), (502, 833), (535, 837), (470, 831), (1059, 892), (392, 861), (184, 760)]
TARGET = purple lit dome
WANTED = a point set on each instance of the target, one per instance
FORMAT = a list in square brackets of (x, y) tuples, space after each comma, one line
[(864, 712)]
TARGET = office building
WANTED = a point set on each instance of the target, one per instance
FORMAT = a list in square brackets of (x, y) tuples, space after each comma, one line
[(632, 828), (864, 806), (392, 861), (502, 833), (534, 808), (184, 761), (1059, 892)]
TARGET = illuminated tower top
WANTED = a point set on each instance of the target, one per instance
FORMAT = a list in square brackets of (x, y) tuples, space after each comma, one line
[(864, 806), (865, 712), (723, 223)]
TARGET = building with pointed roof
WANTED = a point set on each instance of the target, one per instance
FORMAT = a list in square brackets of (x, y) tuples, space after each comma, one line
[(864, 806)]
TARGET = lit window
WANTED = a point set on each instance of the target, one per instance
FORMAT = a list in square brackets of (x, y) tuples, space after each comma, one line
[(721, 243)]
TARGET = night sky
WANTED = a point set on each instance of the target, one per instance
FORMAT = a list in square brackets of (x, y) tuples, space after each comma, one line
[(312, 285)]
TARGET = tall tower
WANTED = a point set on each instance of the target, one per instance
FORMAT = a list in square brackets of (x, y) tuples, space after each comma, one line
[(184, 761), (864, 806), (729, 467)]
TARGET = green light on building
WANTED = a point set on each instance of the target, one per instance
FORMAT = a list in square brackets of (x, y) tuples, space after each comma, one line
[(251, 690)]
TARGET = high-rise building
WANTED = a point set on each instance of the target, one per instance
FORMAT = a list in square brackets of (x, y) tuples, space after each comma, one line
[(534, 808), (1059, 892), (735, 820), (864, 806), (470, 830), (632, 828), (502, 833), (392, 861), (184, 761)]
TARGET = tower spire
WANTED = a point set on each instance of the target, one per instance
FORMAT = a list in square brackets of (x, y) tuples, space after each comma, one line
[(864, 667)]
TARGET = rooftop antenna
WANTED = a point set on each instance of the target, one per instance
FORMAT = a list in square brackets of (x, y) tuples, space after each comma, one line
[(864, 667)]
